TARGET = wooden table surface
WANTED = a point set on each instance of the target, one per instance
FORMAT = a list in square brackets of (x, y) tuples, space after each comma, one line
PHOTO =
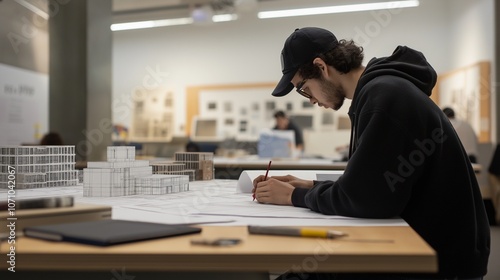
[(365, 249)]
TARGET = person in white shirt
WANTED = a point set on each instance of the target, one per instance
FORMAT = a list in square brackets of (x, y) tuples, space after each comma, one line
[(465, 132)]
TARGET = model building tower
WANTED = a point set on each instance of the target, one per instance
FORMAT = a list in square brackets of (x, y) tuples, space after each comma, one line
[(38, 166), (201, 163), (172, 168), (199, 166), (123, 175)]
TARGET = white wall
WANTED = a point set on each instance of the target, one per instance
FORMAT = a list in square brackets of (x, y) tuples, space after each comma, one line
[(471, 32), (247, 50), (472, 37)]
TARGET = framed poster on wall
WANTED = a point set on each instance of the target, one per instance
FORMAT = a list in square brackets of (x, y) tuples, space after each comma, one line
[(24, 105), (467, 91)]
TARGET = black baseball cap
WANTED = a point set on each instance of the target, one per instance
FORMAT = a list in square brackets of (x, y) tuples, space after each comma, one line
[(302, 46)]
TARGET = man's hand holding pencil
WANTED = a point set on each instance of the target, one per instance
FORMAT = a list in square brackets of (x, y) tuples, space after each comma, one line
[(265, 177), (277, 189)]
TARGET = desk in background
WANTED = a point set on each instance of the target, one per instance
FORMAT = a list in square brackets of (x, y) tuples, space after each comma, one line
[(231, 168)]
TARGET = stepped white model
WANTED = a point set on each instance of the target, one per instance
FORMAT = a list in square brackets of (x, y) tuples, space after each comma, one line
[(123, 175)]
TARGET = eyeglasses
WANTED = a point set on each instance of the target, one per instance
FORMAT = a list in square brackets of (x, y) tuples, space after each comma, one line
[(301, 91)]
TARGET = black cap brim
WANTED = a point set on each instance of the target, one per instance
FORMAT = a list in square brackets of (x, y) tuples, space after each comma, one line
[(285, 85)]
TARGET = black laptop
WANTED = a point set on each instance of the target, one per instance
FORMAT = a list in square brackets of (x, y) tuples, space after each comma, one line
[(107, 232)]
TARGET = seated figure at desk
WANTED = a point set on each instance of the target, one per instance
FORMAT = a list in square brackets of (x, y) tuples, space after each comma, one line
[(465, 133), (284, 123), (405, 158)]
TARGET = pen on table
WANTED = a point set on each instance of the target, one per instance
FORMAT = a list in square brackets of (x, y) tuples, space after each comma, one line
[(302, 232), (265, 177), (217, 242)]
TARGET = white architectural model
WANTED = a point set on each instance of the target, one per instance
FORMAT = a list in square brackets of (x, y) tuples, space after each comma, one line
[(172, 168), (199, 166), (38, 166), (201, 163), (123, 175)]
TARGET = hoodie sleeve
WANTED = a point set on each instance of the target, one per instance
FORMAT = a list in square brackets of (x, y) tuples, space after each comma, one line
[(379, 176)]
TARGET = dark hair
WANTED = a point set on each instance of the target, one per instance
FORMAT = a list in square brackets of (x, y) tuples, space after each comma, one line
[(51, 138), (345, 57), (192, 147), (279, 114), (449, 112)]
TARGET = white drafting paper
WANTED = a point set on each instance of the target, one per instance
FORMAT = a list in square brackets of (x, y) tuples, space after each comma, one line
[(242, 221), (214, 202), (126, 213)]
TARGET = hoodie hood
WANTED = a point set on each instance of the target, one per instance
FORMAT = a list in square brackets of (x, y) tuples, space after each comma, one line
[(404, 62)]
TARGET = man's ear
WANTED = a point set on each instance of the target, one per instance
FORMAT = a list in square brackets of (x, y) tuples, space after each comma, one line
[(320, 63)]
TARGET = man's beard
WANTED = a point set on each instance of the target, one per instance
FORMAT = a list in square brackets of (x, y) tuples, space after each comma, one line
[(334, 94)]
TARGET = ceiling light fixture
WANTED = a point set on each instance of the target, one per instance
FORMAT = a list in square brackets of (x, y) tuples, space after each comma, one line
[(271, 14), (339, 9), (33, 8), (150, 24), (166, 22), (225, 17)]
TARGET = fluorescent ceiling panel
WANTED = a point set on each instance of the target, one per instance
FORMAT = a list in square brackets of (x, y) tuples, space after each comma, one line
[(338, 9)]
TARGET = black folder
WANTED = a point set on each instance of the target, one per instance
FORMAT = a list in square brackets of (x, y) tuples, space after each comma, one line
[(107, 232)]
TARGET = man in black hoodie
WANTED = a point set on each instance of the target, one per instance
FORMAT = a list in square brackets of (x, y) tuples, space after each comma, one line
[(405, 158)]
